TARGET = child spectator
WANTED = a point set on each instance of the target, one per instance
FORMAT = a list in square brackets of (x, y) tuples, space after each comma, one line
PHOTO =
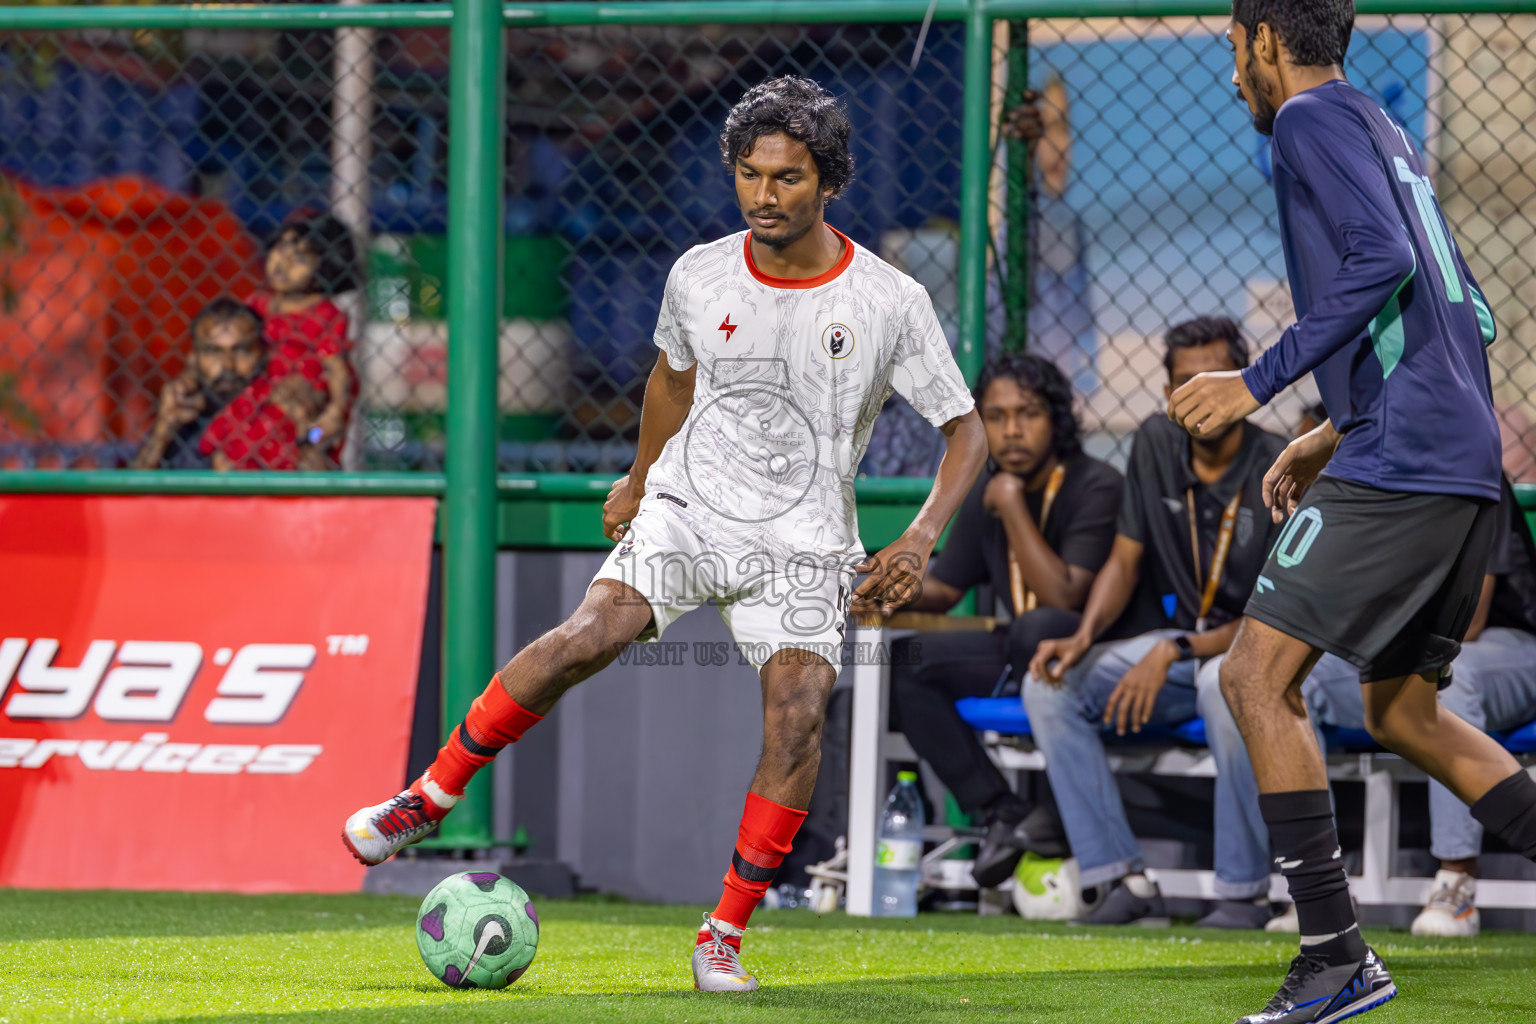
[(295, 417)]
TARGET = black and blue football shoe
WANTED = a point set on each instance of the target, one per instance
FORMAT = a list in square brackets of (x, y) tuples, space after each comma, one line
[(1317, 992)]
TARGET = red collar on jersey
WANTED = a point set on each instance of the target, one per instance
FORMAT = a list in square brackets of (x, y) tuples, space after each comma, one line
[(802, 282)]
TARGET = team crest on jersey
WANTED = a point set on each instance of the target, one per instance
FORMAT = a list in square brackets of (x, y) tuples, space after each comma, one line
[(837, 339)]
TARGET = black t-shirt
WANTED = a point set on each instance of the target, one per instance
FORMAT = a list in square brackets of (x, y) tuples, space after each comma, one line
[(1512, 563), (1155, 513), (1080, 529)]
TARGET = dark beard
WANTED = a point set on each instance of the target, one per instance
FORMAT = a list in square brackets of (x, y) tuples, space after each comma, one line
[(224, 388), (1213, 444), (1264, 116)]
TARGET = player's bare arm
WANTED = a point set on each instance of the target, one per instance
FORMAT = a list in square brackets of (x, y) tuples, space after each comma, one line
[(1111, 592), (1297, 467), (896, 573), (668, 397), (1211, 402)]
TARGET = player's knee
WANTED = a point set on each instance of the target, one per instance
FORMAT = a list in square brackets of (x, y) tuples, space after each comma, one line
[(792, 725), (1382, 729), (1235, 685), (795, 717), (1402, 725)]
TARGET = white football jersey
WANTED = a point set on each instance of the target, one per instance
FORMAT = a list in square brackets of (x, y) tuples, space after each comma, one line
[(791, 375)]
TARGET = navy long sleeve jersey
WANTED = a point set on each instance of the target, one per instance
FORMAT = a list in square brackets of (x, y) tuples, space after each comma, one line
[(1390, 322)]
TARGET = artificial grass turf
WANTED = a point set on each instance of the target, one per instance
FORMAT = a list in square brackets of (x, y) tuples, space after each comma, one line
[(218, 959)]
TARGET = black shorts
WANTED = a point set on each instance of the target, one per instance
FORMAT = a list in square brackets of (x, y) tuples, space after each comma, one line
[(1387, 580)]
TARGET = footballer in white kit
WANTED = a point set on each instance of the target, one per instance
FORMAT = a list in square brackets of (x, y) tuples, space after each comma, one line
[(751, 502), (778, 346)]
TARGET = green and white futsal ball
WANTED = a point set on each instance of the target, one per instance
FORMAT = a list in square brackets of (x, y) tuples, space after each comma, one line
[(477, 929), (1048, 889)]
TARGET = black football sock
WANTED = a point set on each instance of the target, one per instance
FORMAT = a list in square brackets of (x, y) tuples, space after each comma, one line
[(1306, 848), (1508, 810)]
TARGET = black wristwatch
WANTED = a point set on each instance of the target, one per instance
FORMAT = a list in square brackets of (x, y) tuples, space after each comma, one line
[(1186, 649)]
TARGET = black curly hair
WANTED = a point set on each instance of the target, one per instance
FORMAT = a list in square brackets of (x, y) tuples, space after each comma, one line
[(1314, 32), (328, 238), (801, 109), (1040, 376)]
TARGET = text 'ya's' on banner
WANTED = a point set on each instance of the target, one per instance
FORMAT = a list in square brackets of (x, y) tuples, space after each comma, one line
[(196, 692)]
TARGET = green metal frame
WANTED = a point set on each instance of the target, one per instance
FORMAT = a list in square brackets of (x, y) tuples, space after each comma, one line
[(481, 510), (658, 12), (476, 89)]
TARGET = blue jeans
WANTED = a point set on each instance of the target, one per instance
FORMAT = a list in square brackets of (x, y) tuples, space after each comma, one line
[(1066, 721), (1493, 687), (1332, 694)]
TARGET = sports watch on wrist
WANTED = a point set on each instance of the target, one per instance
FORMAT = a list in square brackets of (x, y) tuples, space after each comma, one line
[(1186, 649)]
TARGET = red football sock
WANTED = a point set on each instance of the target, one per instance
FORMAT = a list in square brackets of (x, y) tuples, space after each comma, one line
[(494, 720), (767, 829)]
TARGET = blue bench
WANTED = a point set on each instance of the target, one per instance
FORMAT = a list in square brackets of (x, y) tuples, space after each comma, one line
[(1353, 756), (1006, 716)]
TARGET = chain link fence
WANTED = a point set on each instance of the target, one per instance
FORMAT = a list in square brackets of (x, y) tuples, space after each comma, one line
[(614, 166), (144, 173), (1161, 205)]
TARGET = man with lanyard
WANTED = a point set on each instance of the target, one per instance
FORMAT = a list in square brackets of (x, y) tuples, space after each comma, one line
[(1034, 530), (1192, 535)]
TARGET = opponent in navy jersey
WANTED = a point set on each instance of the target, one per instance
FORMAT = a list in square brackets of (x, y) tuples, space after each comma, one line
[(1391, 501), (1391, 323)]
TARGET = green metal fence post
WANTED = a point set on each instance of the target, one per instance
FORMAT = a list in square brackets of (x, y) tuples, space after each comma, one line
[(976, 169), (1016, 281), (476, 86)]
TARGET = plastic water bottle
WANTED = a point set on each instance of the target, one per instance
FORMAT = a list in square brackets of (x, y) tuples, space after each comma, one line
[(899, 853)]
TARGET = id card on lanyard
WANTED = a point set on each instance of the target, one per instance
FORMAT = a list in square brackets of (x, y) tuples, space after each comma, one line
[(1023, 598), (1218, 555)]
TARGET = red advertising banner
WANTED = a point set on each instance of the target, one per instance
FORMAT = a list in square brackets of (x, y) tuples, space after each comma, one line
[(196, 692)]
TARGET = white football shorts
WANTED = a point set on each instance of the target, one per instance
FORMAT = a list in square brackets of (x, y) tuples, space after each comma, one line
[(768, 603)]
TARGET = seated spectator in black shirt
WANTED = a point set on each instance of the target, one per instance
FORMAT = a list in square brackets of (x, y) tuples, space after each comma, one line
[(1035, 529), (227, 355), (1192, 536)]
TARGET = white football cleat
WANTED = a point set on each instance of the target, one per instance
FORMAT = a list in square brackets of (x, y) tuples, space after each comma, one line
[(717, 961), (375, 834), (1451, 912)]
